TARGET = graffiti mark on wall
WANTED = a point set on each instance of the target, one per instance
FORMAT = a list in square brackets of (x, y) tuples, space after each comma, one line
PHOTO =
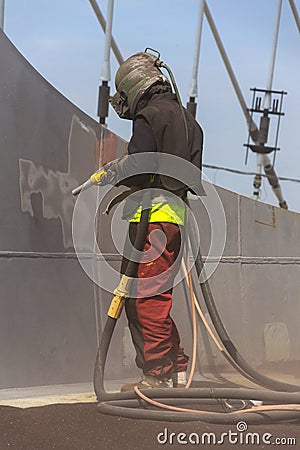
[(86, 153), (55, 186)]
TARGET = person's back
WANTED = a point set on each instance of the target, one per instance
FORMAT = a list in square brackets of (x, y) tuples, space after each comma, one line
[(172, 135)]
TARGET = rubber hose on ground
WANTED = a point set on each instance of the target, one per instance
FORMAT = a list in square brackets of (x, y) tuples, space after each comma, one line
[(127, 404)]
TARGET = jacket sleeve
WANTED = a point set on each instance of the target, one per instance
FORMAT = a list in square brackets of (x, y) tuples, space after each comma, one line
[(135, 168)]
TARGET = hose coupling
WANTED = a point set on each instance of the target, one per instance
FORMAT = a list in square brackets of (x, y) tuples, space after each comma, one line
[(116, 306)]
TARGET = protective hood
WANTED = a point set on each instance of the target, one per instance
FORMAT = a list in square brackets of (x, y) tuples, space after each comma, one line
[(133, 79)]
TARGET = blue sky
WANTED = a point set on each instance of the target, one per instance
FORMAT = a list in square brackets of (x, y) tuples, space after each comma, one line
[(63, 40)]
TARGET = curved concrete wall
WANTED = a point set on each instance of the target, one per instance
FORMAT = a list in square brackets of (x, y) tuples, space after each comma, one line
[(50, 311)]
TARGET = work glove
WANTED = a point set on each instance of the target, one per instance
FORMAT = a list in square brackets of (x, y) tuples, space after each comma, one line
[(100, 178)]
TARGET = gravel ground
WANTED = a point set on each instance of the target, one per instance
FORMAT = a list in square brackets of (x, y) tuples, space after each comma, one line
[(81, 427)]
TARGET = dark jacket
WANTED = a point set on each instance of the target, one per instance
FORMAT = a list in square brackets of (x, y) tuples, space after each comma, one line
[(159, 127)]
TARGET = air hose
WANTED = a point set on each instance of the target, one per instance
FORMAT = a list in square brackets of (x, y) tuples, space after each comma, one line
[(113, 315), (136, 404)]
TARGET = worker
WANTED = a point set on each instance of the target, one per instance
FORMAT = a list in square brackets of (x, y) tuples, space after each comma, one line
[(144, 95)]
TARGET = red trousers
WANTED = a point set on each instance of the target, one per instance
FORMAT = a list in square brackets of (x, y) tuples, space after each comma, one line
[(154, 333)]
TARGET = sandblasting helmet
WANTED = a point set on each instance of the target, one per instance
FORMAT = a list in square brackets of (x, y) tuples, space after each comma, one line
[(133, 79)]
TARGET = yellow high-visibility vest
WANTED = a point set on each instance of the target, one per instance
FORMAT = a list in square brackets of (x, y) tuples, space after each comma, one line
[(162, 212)]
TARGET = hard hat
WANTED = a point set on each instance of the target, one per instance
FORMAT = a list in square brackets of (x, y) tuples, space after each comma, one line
[(133, 79)]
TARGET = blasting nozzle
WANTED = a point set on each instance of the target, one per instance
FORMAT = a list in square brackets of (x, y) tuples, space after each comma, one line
[(82, 187)]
